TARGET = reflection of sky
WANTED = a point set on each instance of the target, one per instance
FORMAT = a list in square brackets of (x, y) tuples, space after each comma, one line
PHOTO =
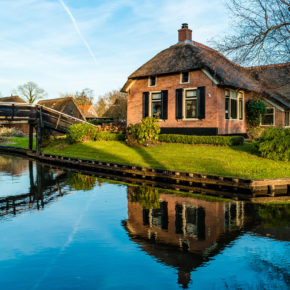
[(14, 184), (79, 243), (250, 262)]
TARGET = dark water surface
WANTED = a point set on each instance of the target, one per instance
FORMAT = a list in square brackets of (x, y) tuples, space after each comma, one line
[(63, 230)]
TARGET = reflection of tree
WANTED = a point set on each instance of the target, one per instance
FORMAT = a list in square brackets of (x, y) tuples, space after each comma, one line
[(81, 182), (274, 215), (147, 197)]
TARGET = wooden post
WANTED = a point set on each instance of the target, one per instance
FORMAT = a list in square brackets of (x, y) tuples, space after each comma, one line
[(30, 137), (38, 138)]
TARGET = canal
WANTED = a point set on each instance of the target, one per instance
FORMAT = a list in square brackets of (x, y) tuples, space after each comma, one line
[(65, 230)]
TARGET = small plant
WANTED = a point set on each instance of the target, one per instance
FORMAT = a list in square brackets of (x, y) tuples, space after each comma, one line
[(144, 133), (274, 143), (108, 136), (255, 110), (10, 132), (80, 133)]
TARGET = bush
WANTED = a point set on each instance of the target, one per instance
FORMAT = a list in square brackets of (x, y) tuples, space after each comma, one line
[(274, 143), (80, 133), (144, 133), (212, 140), (108, 136), (254, 132), (10, 132)]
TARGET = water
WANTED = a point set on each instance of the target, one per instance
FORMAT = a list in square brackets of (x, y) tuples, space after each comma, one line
[(63, 230)]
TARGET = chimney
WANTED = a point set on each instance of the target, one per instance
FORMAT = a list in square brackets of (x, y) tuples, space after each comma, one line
[(184, 34)]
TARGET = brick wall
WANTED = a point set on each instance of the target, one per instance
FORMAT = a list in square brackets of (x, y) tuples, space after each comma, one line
[(214, 99)]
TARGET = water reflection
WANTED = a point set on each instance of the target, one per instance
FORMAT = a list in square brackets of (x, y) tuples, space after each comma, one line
[(197, 238), (184, 232)]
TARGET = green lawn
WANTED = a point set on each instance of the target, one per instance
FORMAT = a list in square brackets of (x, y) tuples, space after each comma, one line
[(237, 161)]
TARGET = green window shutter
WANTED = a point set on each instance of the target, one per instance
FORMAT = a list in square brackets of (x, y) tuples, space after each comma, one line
[(164, 104), (201, 102), (178, 104), (145, 111)]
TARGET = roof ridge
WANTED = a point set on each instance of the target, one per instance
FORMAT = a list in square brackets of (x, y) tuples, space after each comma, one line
[(268, 65)]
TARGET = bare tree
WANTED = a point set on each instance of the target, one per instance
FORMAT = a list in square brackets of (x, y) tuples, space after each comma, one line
[(261, 32), (84, 97), (112, 105), (31, 91)]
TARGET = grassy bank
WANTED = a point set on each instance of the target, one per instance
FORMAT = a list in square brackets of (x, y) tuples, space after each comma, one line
[(236, 161)]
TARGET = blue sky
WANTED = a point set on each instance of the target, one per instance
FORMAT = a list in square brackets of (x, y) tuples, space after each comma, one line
[(68, 45)]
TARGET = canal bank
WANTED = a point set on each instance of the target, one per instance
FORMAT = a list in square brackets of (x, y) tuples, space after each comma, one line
[(208, 184)]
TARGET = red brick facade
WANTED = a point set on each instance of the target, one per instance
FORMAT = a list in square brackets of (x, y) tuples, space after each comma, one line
[(214, 104)]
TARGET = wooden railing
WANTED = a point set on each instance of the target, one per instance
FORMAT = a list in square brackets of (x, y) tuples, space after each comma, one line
[(48, 117)]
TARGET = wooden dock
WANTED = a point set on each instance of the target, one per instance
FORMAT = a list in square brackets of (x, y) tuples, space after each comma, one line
[(231, 187)]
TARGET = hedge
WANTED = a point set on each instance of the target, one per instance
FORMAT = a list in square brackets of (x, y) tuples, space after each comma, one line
[(108, 136), (274, 143), (212, 140)]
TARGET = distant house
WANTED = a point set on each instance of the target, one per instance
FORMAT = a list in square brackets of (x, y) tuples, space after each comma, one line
[(65, 105), (193, 89), (19, 125), (12, 99), (89, 111)]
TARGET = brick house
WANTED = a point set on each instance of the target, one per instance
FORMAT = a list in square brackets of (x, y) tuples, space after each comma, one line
[(194, 89)]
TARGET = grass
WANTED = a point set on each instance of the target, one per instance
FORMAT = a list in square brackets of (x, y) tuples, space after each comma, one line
[(238, 161)]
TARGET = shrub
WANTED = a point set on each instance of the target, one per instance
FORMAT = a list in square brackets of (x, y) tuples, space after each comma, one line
[(212, 140), (254, 132), (255, 109), (145, 132), (80, 133), (274, 143), (108, 136), (10, 132)]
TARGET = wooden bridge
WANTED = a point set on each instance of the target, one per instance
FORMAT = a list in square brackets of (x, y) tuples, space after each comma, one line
[(38, 117), (44, 189)]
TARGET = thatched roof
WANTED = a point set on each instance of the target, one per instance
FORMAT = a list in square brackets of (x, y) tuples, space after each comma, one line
[(64, 105), (12, 99), (186, 56)]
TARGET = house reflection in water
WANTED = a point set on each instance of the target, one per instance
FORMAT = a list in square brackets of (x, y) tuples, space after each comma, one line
[(182, 232)]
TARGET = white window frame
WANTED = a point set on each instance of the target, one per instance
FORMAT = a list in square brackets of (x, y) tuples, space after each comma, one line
[(181, 82), (150, 102), (287, 126), (183, 104), (149, 81), (237, 98), (274, 118)]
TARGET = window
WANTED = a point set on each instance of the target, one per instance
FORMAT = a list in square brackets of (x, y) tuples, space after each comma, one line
[(234, 105), (190, 104), (185, 77), (152, 81), (287, 118), (268, 119), (156, 105)]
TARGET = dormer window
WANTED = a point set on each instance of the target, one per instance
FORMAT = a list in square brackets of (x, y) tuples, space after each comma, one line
[(184, 77), (152, 81)]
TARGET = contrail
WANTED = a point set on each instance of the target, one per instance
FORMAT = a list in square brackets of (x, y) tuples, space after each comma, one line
[(65, 7)]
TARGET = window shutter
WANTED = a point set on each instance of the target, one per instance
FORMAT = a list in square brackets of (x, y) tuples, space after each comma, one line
[(145, 111), (201, 102), (178, 104), (164, 103)]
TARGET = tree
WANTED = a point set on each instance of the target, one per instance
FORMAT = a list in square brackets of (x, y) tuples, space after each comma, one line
[(261, 32), (31, 91), (84, 97), (112, 105)]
